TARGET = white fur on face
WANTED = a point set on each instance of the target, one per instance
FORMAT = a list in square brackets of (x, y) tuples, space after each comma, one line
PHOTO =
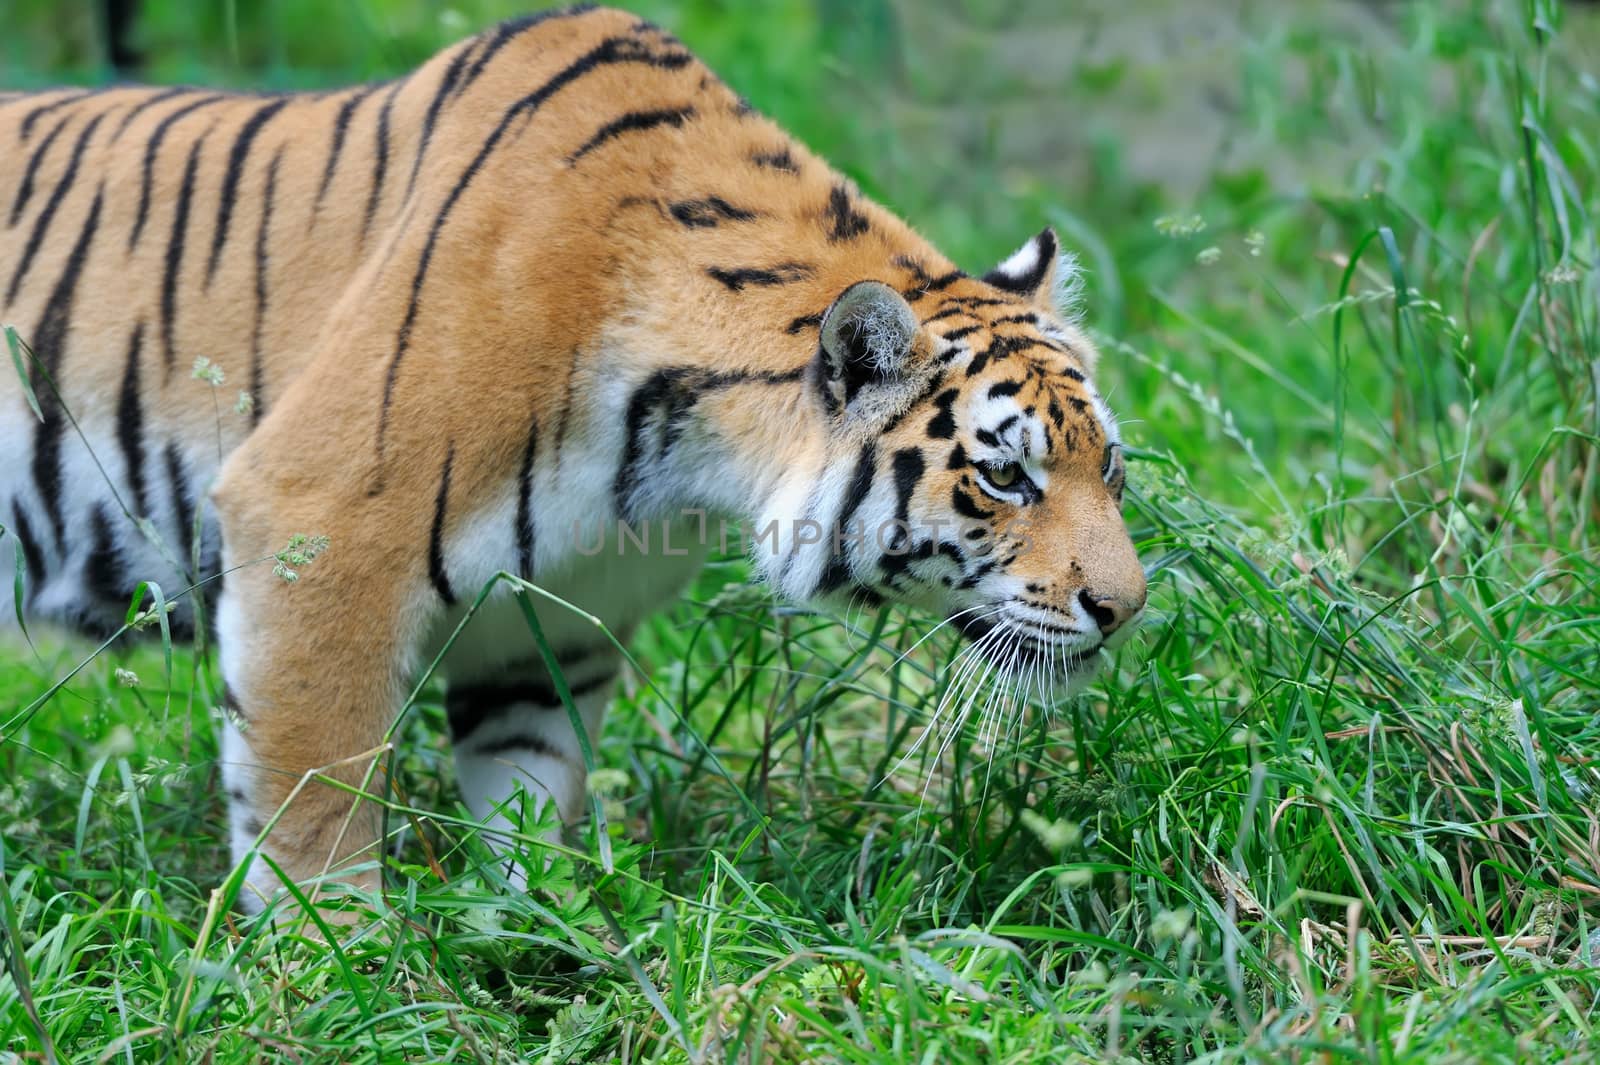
[(1108, 421), (1021, 440)]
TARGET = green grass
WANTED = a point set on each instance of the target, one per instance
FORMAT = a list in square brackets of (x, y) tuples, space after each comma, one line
[(1338, 802)]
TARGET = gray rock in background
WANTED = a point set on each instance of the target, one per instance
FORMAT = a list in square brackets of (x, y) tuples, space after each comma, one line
[(1042, 87)]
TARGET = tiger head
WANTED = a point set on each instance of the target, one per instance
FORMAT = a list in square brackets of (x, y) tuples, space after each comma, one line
[(972, 469)]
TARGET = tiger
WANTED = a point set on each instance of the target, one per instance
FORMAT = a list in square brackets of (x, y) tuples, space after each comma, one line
[(559, 285)]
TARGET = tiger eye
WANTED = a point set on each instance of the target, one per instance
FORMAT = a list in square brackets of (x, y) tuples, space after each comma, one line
[(1004, 476)]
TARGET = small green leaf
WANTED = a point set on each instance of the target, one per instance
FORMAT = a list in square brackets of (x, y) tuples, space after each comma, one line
[(160, 609), (596, 805), (17, 347), (19, 582)]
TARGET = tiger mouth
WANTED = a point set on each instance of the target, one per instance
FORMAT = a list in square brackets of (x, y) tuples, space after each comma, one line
[(1018, 647)]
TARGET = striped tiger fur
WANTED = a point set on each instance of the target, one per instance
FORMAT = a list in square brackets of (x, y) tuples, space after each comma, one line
[(466, 321)]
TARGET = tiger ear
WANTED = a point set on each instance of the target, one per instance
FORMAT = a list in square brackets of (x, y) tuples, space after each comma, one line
[(1033, 272), (867, 339)]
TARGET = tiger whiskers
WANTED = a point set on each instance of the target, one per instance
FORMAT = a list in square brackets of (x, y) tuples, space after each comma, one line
[(856, 605), (957, 720), (935, 630), (1005, 666), (962, 667), (989, 719)]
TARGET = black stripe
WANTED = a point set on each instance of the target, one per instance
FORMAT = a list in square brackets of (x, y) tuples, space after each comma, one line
[(237, 155), (845, 222), (822, 383), (1002, 347), (644, 25), (174, 257), (470, 48), (838, 569), (736, 278), (519, 741), (452, 76), (25, 187), (982, 570), (805, 321), (611, 50), (509, 30), (942, 426), (151, 148), (41, 225), (912, 265), (39, 112), (567, 400), (633, 122), (860, 483), (925, 285), (139, 109), (966, 506), (708, 213), (1001, 389), (130, 424), (975, 301), (263, 261), (380, 158), (32, 556), (469, 706), (49, 340), (102, 570), (663, 393), (436, 573), (182, 505), (909, 466), (525, 504), (780, 160), (341, 127), (667, 396), (834, 574)]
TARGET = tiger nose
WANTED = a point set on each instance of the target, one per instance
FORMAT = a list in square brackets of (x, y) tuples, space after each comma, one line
[(1110, 613)]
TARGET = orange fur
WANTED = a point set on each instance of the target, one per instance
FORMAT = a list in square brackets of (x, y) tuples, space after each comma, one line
[(436, 325)]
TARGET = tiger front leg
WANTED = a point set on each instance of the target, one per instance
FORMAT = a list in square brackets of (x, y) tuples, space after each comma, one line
[(516, 748), (315, 670)]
